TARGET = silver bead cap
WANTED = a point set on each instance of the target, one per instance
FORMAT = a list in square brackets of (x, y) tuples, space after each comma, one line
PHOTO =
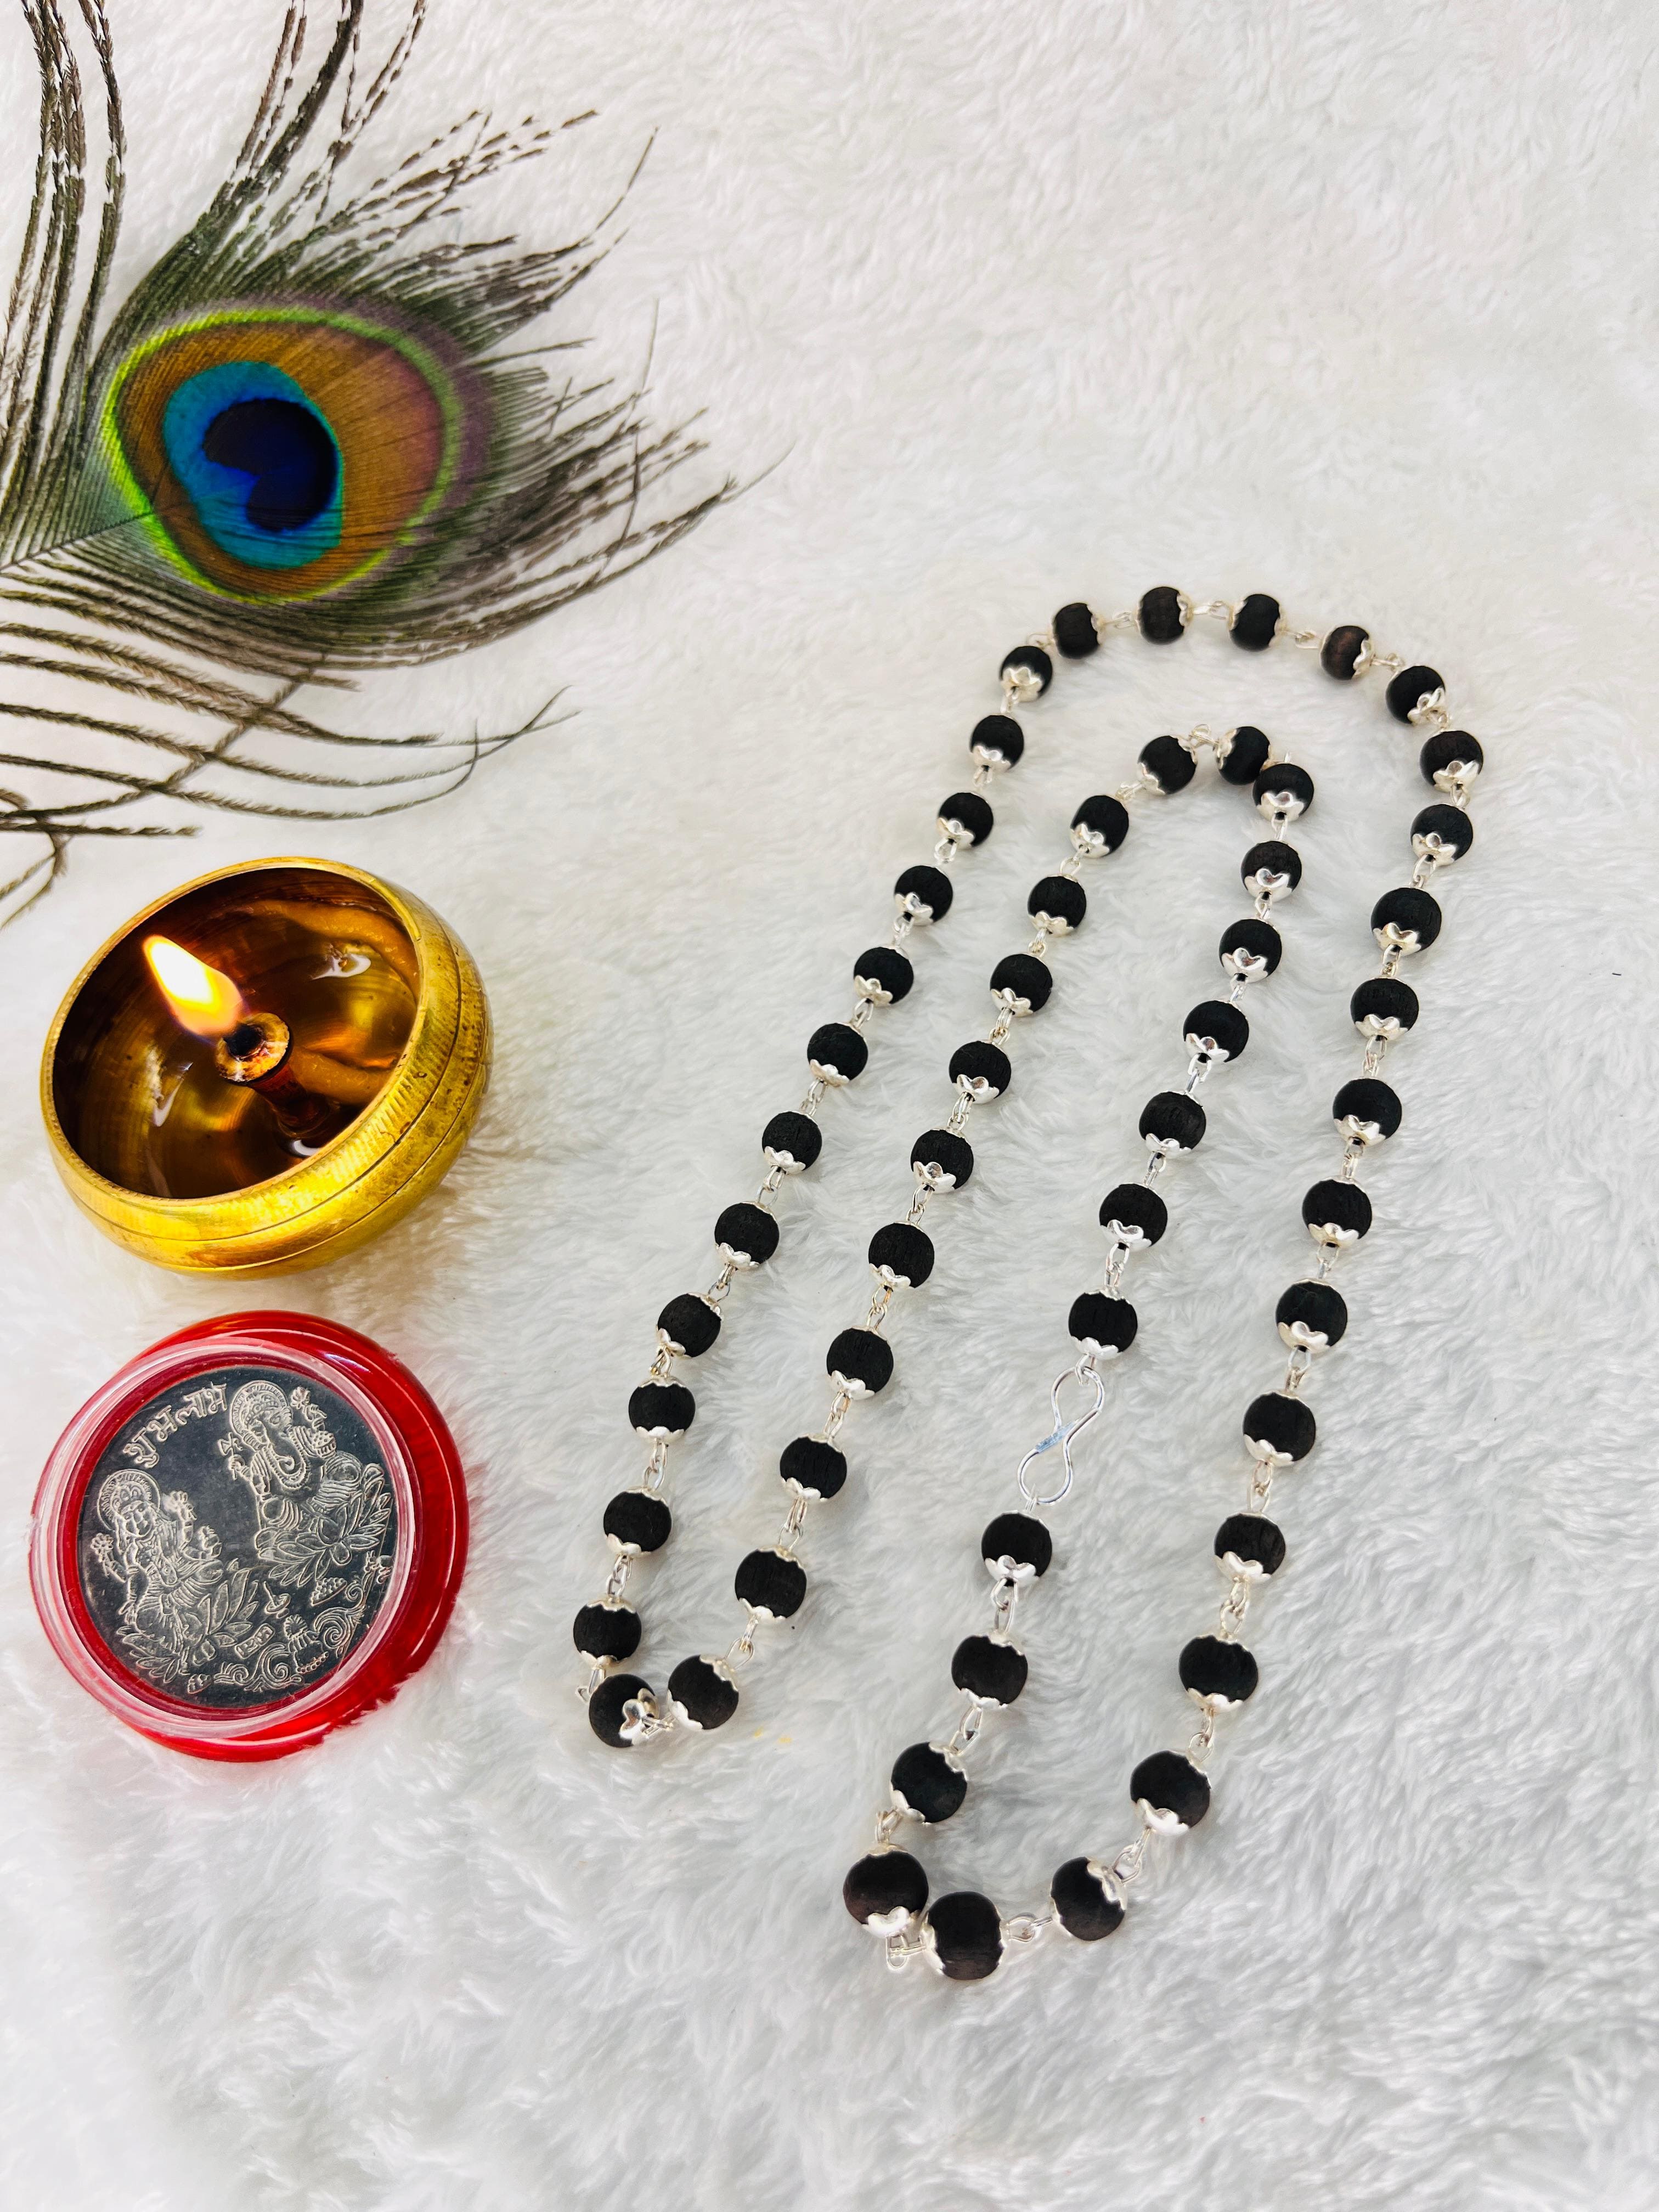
[(1248, 967), (1358, 1132), (1161, 1821), (1284, 804), (1301, 1338), (1332, 1233), (1239, 1570)]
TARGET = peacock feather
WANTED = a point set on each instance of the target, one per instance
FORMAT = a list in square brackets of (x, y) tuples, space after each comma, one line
[(299, 451)]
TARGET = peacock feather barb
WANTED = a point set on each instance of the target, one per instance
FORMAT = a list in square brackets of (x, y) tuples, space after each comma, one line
[(300, 450)]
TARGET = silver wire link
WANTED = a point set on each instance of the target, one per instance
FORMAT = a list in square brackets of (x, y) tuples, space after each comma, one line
[(838, 1412), (1005, 1598), (1026, 1931), (1234, 1608), (1261, 1486), (1130, 1863), (966, 1733)]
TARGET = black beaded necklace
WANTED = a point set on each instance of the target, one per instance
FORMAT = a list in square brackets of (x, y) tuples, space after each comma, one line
[(963, 1934)]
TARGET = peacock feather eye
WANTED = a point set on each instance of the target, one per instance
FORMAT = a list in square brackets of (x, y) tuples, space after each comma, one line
[(277, 454), (326, 433)]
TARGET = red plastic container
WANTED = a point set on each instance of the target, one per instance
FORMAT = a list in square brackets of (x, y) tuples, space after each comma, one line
[(250, 1536)]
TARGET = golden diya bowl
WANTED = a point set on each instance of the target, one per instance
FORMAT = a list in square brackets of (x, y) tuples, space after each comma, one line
[(266, 1069)]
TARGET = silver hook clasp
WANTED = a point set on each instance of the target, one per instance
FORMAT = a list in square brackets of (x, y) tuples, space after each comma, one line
[(1064, 1433)]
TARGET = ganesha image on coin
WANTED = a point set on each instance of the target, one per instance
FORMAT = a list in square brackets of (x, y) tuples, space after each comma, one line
[(322, 1513)]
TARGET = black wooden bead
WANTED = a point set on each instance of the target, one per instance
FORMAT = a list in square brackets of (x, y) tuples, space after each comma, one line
[(928, 1783), (813, 1466), (688, 1324), (1246, 755), (1367, 1109), (885, 1890), (1057, 903), (1252, 1540), (946, 1160), (703, 1694), (747, 1234), (792, 1141), (772, 1582), (1085, 1907), (1264, 864), (966, 817), (966, 1935), (1217, 1031), (1170, 1783), (1167, 765), (883, 974), (861, 1361), (902, 1251), (1444, 751), (998, 740), (661, 1409), (1172, 1123), (925, 892), (634, 1521), (1410, 688), (1074, 631), (604, 1708), (1106, 820), (1312, 1314), (1407, 917), (1450, 824), (1251, 947), (1339, 656), (1105, 1325), (1022, 982), (1283, 789), (984, 1070), (1383, 1006), (1160, 616), (1034, 661), (1133, 1207), (1216, 1670), (607, 1632), (1018, 1537), (989, 1669), (837, 1053), (1280, 1428), (1255, 623), (1337, 1213)]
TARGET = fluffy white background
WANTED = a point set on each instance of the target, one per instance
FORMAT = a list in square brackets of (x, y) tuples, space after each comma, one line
[(1353, 305)]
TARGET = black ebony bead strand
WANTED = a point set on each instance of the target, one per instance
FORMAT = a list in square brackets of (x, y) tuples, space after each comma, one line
[(1173, 1123), (1170, 1789), (929, 1781), (661, 1409), (703, 1691)]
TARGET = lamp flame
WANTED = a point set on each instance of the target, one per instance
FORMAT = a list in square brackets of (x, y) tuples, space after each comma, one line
[(206, 1002)]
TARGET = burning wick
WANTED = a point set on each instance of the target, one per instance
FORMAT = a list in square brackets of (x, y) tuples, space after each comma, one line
[(248, 1048)]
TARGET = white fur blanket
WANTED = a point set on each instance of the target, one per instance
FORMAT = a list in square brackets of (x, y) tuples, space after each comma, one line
[(1017, 305)]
